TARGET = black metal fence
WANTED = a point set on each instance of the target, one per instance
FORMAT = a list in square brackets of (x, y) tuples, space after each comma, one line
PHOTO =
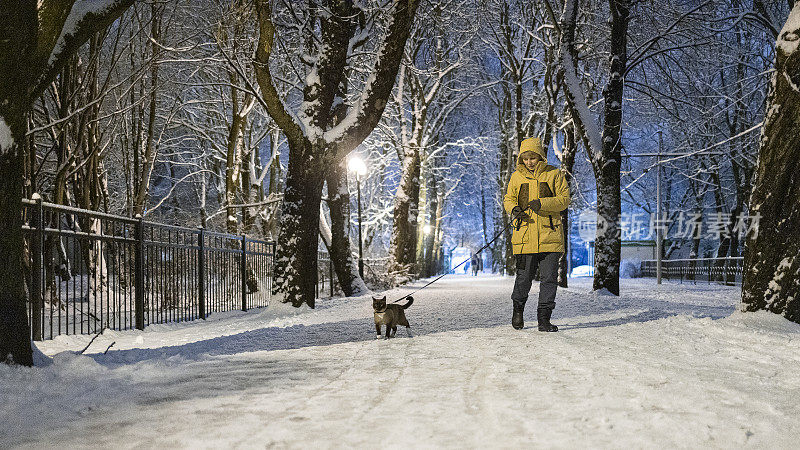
[(89, 271), (327, 282), (325, 275), (725, 270), (376, 273)]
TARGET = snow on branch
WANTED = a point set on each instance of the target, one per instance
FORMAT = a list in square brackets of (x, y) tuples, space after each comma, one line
[(85, 18), (78, 15), (365, 114), (439, 79), (641, 53), (789, 45), (572, 85)]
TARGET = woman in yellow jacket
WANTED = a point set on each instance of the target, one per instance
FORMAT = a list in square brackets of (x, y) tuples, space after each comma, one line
[(536, 194)]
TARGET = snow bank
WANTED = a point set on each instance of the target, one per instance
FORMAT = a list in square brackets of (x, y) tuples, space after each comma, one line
[(629, 268), (763, 322), (582, 271)]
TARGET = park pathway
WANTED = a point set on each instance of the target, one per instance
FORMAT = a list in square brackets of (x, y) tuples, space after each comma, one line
[(661, 366)]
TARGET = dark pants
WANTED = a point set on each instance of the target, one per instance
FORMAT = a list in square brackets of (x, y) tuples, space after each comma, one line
[(526, 269)]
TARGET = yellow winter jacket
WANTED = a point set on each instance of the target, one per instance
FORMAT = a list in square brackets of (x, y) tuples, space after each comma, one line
[(543, 231)]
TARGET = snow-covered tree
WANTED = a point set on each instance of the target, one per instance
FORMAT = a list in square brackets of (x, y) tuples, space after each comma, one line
[(676, 32), (510, 35), (430, 88), (36, 41), (604, 149), (344, 263), (315, 140), (772, 253)]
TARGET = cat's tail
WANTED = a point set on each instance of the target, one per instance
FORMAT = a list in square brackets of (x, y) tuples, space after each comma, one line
[(410, 301)]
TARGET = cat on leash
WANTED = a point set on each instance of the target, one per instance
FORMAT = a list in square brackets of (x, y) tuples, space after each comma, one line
[(390, 315)]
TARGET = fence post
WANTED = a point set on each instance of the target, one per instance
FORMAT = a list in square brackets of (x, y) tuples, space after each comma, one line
[(201, 272), (271, 269), (244, 272), (139, 284), (36, 277), (330, 274)]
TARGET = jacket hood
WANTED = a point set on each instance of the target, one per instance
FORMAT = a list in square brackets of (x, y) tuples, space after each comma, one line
[(531, 145)]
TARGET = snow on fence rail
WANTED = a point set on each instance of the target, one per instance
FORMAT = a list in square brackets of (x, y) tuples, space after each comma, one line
[(89, 270), (726, 270)]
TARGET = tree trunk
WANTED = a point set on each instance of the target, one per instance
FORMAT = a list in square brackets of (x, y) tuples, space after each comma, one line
[(295, 275), (432, 206), (423, 209), (772, 253), (694, 253), (604, 149), (275, 182), (567, 164), (507, 166), (17, 40), (150, 149), (313, 147), (438, 233), (91, 180), (28, 64), (344, 264), (14, 330), (607, 169), (404, 228)]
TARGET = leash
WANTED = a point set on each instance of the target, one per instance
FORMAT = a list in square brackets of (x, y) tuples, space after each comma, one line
[(517, 218)]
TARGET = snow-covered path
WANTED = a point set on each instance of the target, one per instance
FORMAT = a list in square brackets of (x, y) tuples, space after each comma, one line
[(659, 366)]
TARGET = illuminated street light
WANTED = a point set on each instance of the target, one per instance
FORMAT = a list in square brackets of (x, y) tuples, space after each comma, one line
[(356, 165)]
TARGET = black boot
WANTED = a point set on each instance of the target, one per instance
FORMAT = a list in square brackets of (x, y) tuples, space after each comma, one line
[(516, 319), (543, 314)]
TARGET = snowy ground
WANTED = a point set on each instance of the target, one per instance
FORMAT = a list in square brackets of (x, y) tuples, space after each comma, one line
[(671, 365)]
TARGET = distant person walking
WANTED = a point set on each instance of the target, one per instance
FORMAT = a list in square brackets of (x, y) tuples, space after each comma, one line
[(474, 264), (536, 194)]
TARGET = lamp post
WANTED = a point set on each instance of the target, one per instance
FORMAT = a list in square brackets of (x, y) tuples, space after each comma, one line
[(659, 236), (357, 166)]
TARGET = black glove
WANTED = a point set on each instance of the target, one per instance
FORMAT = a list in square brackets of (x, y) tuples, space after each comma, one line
[(518, 213), (535, 204)]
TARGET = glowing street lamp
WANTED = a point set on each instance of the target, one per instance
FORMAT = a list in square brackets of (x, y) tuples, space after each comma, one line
[(357, 166)]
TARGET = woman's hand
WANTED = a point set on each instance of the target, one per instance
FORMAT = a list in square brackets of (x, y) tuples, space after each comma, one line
[(518, 213)]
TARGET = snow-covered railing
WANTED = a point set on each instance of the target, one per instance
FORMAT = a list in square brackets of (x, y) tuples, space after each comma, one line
[(726, 270), (88, 271)]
